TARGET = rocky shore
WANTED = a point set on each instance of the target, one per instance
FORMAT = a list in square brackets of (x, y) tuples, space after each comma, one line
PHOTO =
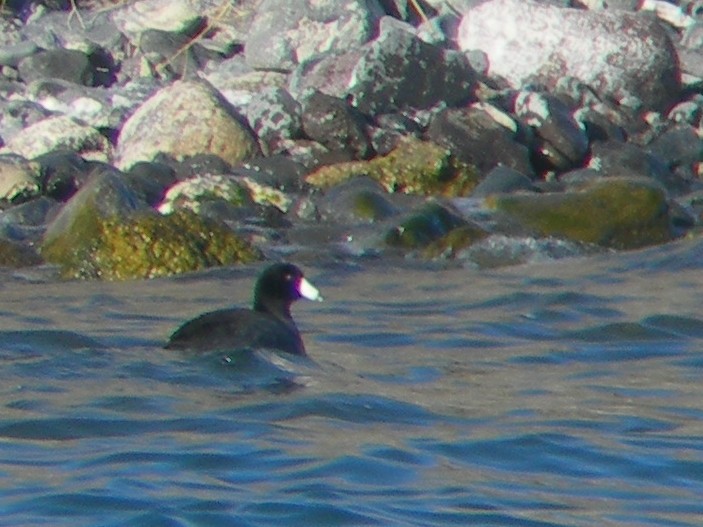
[(156, 137)]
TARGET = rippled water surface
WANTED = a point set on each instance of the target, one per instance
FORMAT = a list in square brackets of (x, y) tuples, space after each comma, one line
[(558, 394)]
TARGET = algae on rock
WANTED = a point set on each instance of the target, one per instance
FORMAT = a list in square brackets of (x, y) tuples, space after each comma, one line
[(413, 167), (151, 245), (618, 213), (436, 231), (148, 245)]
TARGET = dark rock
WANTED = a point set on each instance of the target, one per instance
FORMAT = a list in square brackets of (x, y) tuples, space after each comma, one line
[(150, 181), (560, 143), (198, 165), (17, 255), (333, 123), (33, 213), (679, 146), (170, 54), (421, 227), (399, 71), (612, 158), (66, 64), (360, 200), (62, 174), (503, 180), (475, 137)]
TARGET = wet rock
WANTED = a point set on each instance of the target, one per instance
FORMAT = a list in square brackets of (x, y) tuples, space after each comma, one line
[(185, 119), (285, 33), (335, 124), (503, 180), (105, 231), (150, 245), (531, 42), (620, 213), (560, 142), (429, 224), (360, 200), (17, 255), (59, 133), (480, 135), (413, 167), (19, 179), (455, 242)]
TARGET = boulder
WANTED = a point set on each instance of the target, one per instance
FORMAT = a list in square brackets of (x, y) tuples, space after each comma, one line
[(620, 55), (413, 167), (619, 213), (185, 119)]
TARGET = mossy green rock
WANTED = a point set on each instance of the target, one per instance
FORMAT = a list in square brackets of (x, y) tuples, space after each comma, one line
[(152, 245), (105, 232), (424, 226), (413, 167), (148, 245), (449, 245), (619, 213)]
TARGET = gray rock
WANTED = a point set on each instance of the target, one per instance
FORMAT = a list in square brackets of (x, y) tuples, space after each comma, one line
[(66, 64), (399, 71), (59, 133), (15, 115), (181, 120), (621, 55), (335, 124), (680, 146), (285, 33), (19, 179), (502, 180), (178, 16), (613, 159), (274, 115), (475, 137)]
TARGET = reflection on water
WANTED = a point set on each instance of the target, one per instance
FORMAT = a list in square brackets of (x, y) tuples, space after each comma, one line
[(565, 394)]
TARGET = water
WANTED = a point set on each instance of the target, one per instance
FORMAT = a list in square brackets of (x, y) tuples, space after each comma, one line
[(560, 394)]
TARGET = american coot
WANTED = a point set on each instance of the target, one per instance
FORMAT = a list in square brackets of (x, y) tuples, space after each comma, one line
[(268, 325)]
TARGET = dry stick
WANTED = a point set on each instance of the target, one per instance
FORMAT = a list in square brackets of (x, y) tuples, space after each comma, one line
[(419, 10)]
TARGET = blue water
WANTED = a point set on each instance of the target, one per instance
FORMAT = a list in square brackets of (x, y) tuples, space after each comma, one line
[(561, 394)]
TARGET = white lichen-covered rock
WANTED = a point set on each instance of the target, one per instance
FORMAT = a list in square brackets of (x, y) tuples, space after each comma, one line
[(240, 190), (18, 179), (192, 192), (59, 133), (285, 33), (133, 18), (185, 119), (627, 57)]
